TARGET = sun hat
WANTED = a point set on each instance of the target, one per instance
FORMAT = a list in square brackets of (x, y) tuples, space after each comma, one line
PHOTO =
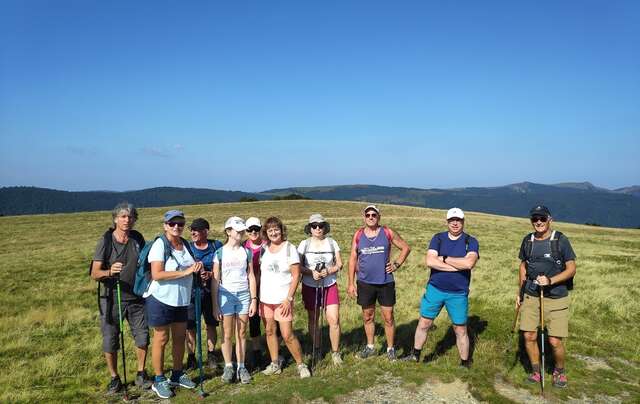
[(235, 223), (317, 218), (371, 207), (455, 212)]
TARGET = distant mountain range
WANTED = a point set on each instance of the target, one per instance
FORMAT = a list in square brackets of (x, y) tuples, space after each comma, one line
[(571, 202)]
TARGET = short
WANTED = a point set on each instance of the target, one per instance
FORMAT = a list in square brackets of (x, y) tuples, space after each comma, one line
[(273, 311), (368, 293), (234, 302), (319, 297), (556, 315), (254, 324), (457, 304), (133, 312), (160, 314), (206, 308)]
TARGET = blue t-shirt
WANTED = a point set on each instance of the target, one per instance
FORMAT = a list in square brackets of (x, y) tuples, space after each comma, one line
[(206, 256), (452, 281)]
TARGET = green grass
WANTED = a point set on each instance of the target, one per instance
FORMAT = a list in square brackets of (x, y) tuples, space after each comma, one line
[(50, 344)]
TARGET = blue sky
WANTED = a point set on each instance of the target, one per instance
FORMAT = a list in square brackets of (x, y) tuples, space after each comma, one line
[(252, 95)]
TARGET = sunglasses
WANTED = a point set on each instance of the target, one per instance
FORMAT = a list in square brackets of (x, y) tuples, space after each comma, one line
[(253, 229), (317, 225), (174, 224), (535, 219), (370, 215)]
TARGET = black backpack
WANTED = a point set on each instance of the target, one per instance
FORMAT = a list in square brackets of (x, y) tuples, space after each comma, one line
[(555, 252), (108, 245)]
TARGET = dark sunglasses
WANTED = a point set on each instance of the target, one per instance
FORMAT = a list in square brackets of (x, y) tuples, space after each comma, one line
[(253, 229), (370, 215), (174, 224), (535, 219), (317, 225)]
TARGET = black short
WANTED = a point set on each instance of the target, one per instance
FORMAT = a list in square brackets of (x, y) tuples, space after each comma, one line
[(368, 293), (207, 312)]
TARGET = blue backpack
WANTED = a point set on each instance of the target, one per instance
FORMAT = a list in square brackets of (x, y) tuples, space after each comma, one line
[(143, 273)]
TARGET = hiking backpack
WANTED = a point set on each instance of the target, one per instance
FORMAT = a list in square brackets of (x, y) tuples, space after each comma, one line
[(360, 233), (466, 242), (108, 245), (555, 252), (143, 272)]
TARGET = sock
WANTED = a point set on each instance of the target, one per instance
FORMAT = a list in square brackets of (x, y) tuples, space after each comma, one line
[(230, 365), (389, 348), (240, 365), (159, 378), (371, 346), (535, 368), (416, 352), (140, 373), (175, 374), (558, 370)]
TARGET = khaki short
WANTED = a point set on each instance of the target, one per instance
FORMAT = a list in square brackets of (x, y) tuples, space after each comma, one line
[(556, 315)]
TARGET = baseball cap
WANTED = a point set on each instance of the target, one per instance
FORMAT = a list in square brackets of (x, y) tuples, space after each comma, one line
[(199, 224), (371, 207), (172, 214), (253, 221), (455, 212), (539, 210), (235, 223)]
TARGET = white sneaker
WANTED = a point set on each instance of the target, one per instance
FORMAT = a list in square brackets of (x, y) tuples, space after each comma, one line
[(337, 359), (303, 371), (272, 369)]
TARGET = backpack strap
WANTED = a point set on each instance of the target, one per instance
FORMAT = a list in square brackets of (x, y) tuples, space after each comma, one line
[(306, 249)]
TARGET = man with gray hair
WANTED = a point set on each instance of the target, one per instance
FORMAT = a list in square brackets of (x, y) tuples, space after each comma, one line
[(115, 259)]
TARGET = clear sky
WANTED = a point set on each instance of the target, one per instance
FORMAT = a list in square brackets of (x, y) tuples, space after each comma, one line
[(252, 95)]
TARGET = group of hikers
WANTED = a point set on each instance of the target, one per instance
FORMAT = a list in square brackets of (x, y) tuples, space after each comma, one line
[(253, 277)]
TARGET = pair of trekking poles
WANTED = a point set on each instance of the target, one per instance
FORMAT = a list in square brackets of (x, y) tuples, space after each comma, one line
[(198, 304), (542, 337), (318, 302)]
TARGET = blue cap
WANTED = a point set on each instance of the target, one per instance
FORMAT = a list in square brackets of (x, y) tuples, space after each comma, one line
[(173, 214)]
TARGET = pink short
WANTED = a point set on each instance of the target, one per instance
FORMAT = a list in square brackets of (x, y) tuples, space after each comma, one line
[(311, 295), (273, 311)]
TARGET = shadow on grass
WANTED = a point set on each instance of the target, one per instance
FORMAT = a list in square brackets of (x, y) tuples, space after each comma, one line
[(521, 356)]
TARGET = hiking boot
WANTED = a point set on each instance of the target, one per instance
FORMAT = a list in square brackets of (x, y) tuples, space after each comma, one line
[(143, 381), (411, 357), (114, 386), (162, 389), (182, 381), (559, 379), (534, 378), (366, 352), (227, 374), (243, 375), (192, 363), (391, 354), (465, 363), (303, 371), (272, 369), (211, 360), (336, 358)]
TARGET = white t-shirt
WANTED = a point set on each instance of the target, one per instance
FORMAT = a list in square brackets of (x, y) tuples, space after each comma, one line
[(233, 273), (173, 292), (275, 273), (317, 254)]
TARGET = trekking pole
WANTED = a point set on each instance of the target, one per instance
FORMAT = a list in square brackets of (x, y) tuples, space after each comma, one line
[(198, 304), (315, 328), (515, 320), (323, 307), (121, 323), (542, 340)]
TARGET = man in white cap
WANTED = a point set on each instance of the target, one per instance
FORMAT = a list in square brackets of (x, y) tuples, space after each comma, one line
[(371, 259), (451, 256)]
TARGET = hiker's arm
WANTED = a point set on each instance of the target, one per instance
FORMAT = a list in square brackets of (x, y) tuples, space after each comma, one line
[(215, 283), (522, 277), (338, 265), (353, 261), (466, 263), (252, 291), (435, 262), (159, 274), (404, 252), (97, 273), (285, 306), (569, 271)]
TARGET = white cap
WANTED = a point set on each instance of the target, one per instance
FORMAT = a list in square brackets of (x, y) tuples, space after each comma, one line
[(371, 207), (235, 223), (455, 212), (253, 221)]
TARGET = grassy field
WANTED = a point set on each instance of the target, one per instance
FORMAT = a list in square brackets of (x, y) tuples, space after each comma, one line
[(50, 343)]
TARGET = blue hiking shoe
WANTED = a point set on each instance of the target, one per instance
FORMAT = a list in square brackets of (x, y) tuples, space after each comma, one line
[(182, 381), (162, 389)]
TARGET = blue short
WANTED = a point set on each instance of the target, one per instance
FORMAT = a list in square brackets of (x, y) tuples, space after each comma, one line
[(457, 304), (160, 314), (234, 302)]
